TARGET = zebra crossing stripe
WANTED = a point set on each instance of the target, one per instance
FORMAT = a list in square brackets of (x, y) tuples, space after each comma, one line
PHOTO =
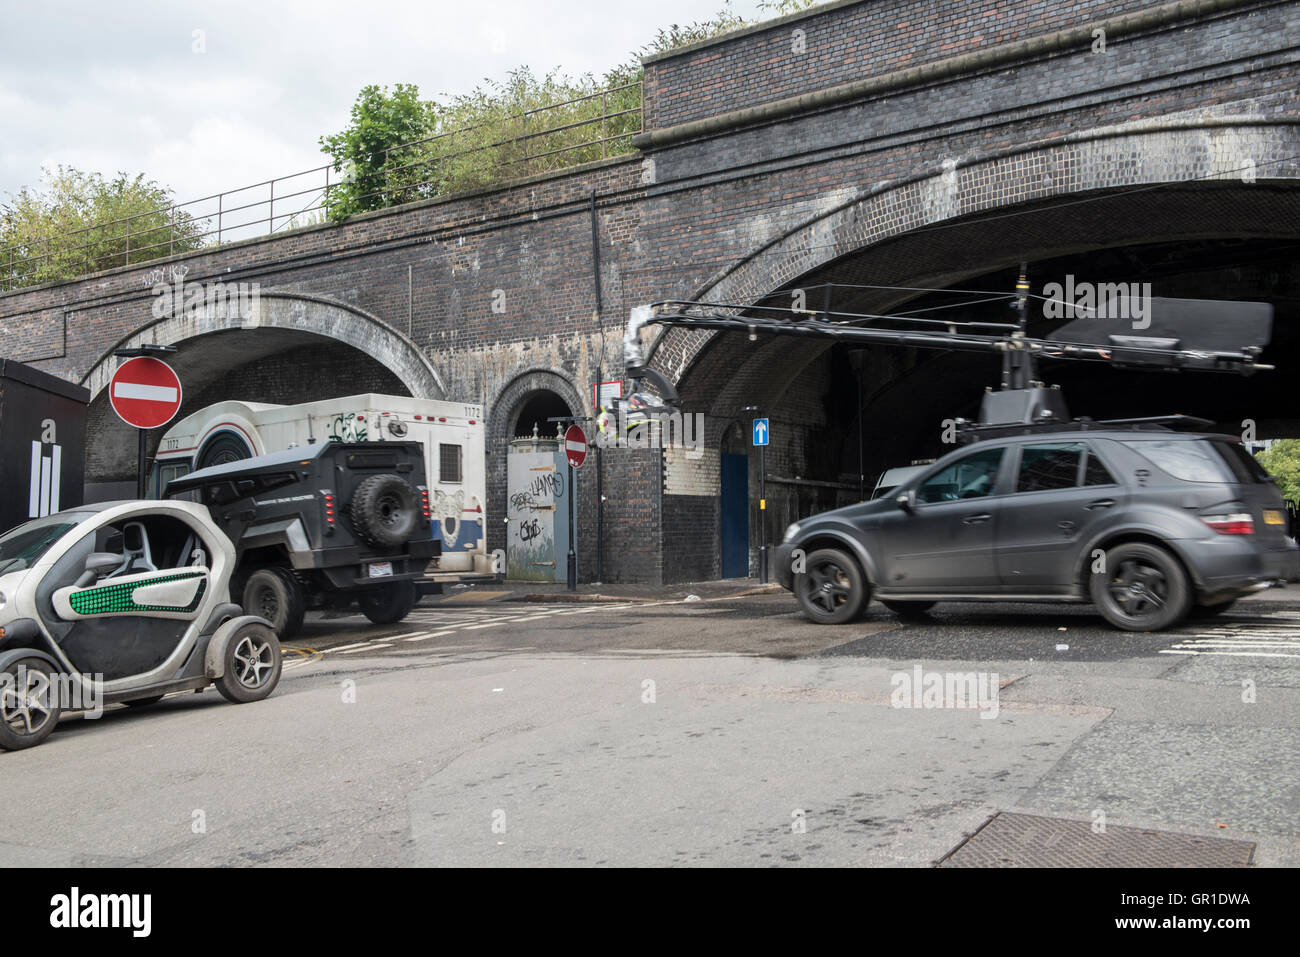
[(426, 636), (1276, 637), (1232, 654), (369, 645)]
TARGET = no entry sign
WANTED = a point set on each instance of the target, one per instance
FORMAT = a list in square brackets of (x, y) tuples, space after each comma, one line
[(575, 446), (145, 392)]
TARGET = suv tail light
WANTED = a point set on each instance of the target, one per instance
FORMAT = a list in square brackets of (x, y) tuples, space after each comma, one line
[(1231, 523), (329, 509), (424, 502)]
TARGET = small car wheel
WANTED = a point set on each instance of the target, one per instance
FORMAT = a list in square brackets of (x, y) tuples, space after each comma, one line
[(386, 604), (832, 589), (1143, 588), (907, 609), (275, 594), (252, 667), (29, 706)]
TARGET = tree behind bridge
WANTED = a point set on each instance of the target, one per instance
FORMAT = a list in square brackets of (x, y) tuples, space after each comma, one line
[(79, 222)]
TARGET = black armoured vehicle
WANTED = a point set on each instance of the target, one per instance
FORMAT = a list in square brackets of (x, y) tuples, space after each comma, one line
[(1145, 522), (322, 526)]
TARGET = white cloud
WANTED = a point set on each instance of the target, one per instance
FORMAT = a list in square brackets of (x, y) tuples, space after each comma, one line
[(111, 87)]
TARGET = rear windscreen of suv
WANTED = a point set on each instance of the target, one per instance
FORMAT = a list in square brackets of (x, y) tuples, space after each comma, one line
[(1200, 460), (1244, 465)]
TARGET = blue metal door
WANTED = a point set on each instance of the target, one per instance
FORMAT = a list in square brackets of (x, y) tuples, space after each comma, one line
[(735, 516)]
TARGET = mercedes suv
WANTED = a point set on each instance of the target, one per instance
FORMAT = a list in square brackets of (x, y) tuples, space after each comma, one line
[(1148, 524)]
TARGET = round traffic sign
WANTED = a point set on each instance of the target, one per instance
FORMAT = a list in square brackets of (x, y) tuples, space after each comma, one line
[(145, 392), (575, 446)]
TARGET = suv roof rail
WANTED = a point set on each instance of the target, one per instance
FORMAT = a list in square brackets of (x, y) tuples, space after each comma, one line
[(969, 432)]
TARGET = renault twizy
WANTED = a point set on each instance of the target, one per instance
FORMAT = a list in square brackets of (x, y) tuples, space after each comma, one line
[(121, 602)]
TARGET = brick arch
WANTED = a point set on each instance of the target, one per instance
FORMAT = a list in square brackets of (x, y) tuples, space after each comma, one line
[(292, 312), (504, 409), (1090, 162)]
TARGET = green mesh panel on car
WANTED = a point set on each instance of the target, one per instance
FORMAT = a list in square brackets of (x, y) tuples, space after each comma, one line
[(117, 598)]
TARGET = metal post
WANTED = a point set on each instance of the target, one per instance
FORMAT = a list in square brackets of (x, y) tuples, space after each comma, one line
[(600, 518), (573, 530), (762, 514), (140, 479)]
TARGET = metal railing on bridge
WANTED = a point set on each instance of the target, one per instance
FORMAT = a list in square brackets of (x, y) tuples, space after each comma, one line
[(468, 158)]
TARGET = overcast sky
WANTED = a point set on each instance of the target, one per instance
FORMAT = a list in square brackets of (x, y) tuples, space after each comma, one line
[(116, 85)]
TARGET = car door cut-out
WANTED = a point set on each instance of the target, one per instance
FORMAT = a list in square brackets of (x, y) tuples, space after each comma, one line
[(130, 620)]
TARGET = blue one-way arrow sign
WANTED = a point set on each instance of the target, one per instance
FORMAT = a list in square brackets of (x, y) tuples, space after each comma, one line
[(760, 431)]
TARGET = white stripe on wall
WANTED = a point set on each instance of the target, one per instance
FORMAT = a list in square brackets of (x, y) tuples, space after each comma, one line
[(34, 489), (45, 486), (56, 476)]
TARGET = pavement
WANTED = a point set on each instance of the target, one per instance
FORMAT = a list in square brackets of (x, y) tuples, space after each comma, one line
[(660, 731), (604, 592)]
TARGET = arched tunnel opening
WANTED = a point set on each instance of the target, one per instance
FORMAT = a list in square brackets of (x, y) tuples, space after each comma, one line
[(250, 365), (841, 415), (535, 412)]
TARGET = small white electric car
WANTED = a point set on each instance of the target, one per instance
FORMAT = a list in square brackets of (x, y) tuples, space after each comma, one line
[(121, 602)]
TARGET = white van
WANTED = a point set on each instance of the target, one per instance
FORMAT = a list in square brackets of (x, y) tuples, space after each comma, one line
[(452, 434)]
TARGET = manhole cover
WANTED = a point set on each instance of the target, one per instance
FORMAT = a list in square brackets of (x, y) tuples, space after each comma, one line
[(1028, 840)]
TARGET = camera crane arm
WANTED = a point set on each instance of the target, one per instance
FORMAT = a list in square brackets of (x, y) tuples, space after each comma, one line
[(1020, 351)]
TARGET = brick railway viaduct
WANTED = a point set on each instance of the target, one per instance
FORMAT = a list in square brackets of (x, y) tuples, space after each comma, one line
[(921, 143)]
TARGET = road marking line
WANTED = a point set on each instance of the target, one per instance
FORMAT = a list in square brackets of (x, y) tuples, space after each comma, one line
[(369, 646), (426, 637), (357, 644), (1238, 644), (1231, 654)]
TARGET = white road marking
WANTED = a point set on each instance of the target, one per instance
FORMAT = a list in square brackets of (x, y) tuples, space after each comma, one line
[(358, 644), (370, 646), (1233, 654), (1269, 638), (424, 636)]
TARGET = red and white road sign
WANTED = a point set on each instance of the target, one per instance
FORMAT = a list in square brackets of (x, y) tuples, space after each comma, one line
[(575, 446), (145, 392)]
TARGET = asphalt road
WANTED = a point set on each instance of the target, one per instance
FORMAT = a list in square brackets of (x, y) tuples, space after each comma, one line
[(726, 732)]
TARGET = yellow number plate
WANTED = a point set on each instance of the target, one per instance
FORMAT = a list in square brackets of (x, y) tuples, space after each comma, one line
[(1273, 517)]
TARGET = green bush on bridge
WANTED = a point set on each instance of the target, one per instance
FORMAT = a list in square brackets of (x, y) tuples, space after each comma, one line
[(399, 149), (80, 222)]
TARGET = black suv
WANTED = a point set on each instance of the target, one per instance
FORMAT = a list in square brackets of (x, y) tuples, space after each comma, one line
[(322, 526), (1147, 523)]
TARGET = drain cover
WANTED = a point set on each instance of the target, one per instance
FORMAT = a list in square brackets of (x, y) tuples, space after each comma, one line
[(1028, 840)]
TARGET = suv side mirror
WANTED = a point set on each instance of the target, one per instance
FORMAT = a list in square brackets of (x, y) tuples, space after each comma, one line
[(905, 501)]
